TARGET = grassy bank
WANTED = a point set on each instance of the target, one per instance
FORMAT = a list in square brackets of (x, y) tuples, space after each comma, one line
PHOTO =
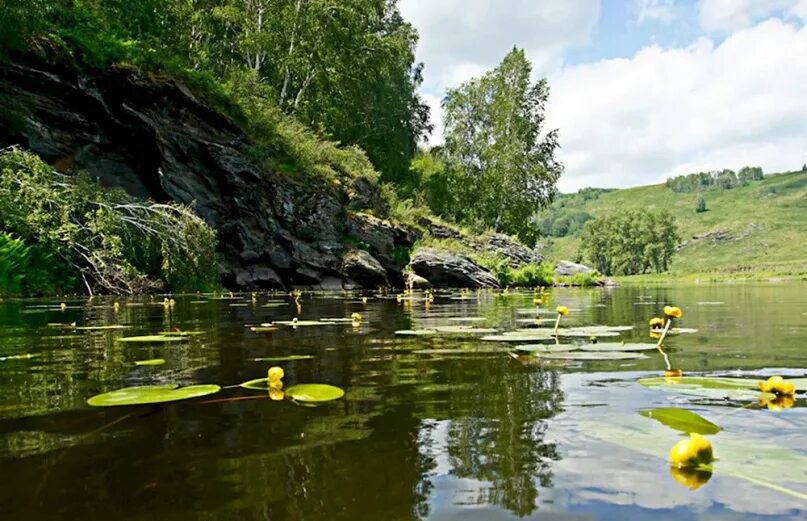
[(750, 232)]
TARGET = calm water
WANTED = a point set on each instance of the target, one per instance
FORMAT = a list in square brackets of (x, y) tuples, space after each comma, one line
[(468, 435)]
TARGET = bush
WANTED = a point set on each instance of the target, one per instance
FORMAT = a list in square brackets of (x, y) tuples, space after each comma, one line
[(76, 230), (13, 260), (700, 206), (533, 275), (584, 280)]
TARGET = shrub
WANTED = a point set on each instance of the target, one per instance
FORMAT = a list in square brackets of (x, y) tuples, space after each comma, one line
[(700, 206), (533, 275), (110, 241)]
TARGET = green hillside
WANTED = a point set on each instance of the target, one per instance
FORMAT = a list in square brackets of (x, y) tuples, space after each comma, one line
[(760, 228)]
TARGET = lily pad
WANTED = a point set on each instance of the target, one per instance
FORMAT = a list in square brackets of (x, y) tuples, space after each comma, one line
[(146, 394), (681, 420), (588, 355), (416, 332), (302, 323), (152, 339), (706, 382), (542, 348), (338, 320), (457, 351), (468, 319), (587, 334), (283, 358), (518, 337), (180, 333), (263, 329), (101, 328), (465, 330), (314, 393), (258, 384), (153, 361), (616, 346)]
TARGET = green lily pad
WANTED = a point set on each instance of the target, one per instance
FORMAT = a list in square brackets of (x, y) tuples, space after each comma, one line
[(153, 361), (338, 320), (283, 358), (695, 383), (464, 330), (681, 420), (416, 332), (101, 328), (180, 333), (616, 346), (314, 393), (262, 329), (588, 355), (587, 334), (302, 323), (24, 356), (146, 394), (152, 339), (518, 337), (457, 351), (542, 348)]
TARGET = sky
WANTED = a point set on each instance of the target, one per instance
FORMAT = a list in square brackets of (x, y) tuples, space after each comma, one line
[(641, 90)]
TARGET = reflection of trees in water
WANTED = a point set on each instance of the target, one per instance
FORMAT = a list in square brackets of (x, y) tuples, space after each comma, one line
[(501, 442)]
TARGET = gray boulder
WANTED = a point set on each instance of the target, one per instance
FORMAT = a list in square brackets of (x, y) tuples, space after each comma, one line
[(360, 266), (451, 270), (569, 268)]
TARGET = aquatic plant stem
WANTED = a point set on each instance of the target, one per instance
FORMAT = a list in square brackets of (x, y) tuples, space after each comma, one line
[(557, 323), (664, 332)]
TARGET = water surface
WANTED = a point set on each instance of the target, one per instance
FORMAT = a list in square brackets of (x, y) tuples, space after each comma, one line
[(434, 435)]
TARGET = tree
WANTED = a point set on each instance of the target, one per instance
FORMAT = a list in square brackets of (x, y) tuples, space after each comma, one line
[(700, 206), (501, 167), (630, 242)]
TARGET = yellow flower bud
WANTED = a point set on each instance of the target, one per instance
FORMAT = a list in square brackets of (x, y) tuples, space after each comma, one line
[(356, 317), (693, 452), (276, 394), (656, 322), (672, 311), (563, 310), (275, 374)]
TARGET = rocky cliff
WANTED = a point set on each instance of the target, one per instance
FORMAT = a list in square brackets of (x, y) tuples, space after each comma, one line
[(154, 138)]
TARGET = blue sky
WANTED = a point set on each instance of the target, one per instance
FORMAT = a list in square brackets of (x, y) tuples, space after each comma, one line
[(641, 89)]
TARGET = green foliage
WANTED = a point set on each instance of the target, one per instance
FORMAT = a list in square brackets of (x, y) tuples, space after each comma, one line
[(630, 242), (566, 215), (112, 242), (583, 280), (700, 206), (715, 180), (344, 68), (13, 260), (500, 166), (533, 275)]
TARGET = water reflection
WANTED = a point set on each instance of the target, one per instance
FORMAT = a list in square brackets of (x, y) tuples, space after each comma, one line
[(462, 434)]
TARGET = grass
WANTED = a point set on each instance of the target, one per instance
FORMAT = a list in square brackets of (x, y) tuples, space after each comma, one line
[(764, 222)]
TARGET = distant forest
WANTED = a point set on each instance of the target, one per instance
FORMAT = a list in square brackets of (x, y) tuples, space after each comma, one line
[(714, 180)]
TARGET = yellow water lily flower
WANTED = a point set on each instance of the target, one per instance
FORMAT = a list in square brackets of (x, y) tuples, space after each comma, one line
[(694, 452), (537, 301), (778, 386), (779, 403), (276, 394), (116, 307), (364, 300), (356, 317), (691, 478), (275, 374), (562, 310), (673, 312), (63, 306), (656, 323), (673, 373)]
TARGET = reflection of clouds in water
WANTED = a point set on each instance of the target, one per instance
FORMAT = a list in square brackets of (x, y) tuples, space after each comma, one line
[(613, 459)]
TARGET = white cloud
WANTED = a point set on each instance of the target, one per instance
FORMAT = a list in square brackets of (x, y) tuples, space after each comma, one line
[(459, 39), (730, 15), (656, 10), (663, 112)]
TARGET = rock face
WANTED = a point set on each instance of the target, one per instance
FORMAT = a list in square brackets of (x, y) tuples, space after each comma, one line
[(568, 268), (450, 269), (513, 251), (155, 139), (364, 269)]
